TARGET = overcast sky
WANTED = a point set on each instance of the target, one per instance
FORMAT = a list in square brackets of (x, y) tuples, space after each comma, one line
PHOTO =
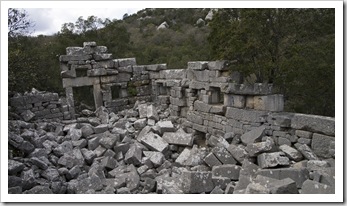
[(49, 20)]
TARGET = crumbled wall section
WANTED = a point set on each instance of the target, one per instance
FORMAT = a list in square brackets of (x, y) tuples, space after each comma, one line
[(207, 96), (40, 105)]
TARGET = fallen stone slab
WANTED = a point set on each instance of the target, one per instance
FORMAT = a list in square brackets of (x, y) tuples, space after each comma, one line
[(230, 171), (255, 149), (180, 137), (313, 187), (134, 155), (298, 175), (266, 160), (238, 152), (223, 155), (168, 185), (211, 160), (254, 135), (88, 155), (39, 162), (142, 108), (306, 151), (314, 123), (292, 153), (152, 113), (140, 124), (284, 186), (100, 128), (183, 157), (109, 140), (221, 182), (155, 142), (165, 126), (217, 190), (157, 158), (27, 115), (87, 130), (320, 145), (197, 182)]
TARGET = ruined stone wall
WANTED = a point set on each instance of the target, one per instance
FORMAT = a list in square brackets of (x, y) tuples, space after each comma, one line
[(39, 105), (208, 97)]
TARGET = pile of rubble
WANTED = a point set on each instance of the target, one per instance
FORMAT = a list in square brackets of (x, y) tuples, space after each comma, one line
[(145, 150)]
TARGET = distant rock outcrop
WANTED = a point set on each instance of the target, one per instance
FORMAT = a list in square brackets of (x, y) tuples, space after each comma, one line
[(163, 25), (209, 16)]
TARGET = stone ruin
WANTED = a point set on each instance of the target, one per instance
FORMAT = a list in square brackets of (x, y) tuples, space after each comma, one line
[(168, 131)]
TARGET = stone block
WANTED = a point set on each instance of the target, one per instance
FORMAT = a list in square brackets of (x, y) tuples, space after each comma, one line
[(320, 146), (266, 160), (245, 115), (292, 153), (67, 58), (198, 65), (255, 149), (313, 187), (126, 62), (27, 115), (180, 137), (152, 113), (223, 155), (184, 155), (306, 151), (239, 153), (218, 65), (298, 175), (201, 106), (155, 142), (165, 126), (211, 160), (314, 123), (157, 158), (133, 155), (14, 167), (256, 188), (156, 67), (230, 171), (254, 135), (273, 103), (197, 182), (237, 101)]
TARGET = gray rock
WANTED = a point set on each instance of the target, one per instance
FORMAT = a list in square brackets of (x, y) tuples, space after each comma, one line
[(256, 188), (314, 123), (180, 137), (152, 113), (197, 182), (39, 162), (109, 163), (109, 140), (63, 148), (157, 158), (14, 139), (255, 149), (142, 110), (14, 181), (168, 185), (238, 152), (266, 160), (101, 128), (134, 155), (304, 141), (27, 147), (165, 126), (223, 155), (94, 143), (51, 174), (230, 171), (183, 157), (39, 190), (254, 135), (14, 167), (298, 175), (102, 114), (292, 153), (284, 141), (316, 165), (319, 145), (155, 142), (140, 124), (28, 179), (27, 115), (284, 186), (312, 187), (73, 172), (211, 160), (88, 155), (221, 182), (15, 190), (217, 190), (121, 147), (80, 143), (306, 151), (99, 151), (75, 134)]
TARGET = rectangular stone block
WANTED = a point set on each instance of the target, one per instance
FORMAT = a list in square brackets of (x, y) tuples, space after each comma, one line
[(126, 62), (314, 123), (245, 115), (198, 65), (180, 137), (201, 106), (155, 142), (156, 67), (273, 103), (237, 101), (66, 58), (80, 81), (197, 182)]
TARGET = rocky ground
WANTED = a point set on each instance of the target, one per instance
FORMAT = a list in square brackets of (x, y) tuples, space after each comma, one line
[(145, 150)]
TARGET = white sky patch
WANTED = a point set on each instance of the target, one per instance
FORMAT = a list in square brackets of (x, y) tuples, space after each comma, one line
[(48, 21)]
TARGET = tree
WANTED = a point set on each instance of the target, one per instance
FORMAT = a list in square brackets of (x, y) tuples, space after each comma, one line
[(18, 23), (287, 47)]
